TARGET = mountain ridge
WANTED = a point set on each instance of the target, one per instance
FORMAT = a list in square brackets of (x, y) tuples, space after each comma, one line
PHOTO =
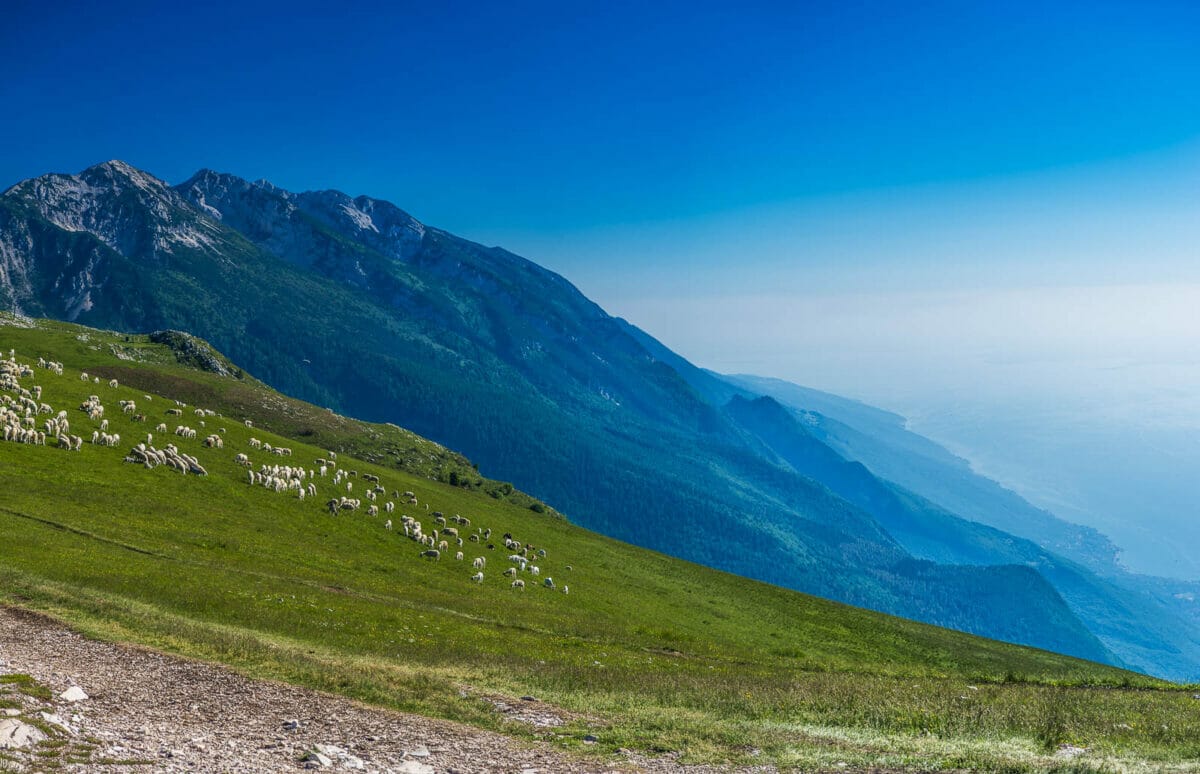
[(491, 355)]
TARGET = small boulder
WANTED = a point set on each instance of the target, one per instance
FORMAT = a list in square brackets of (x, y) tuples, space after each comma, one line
[(420, 752), (73, 694), (56, 720), (415, 767), (15, 734), (316, 760)]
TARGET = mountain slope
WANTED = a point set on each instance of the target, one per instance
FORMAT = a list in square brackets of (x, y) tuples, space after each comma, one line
[(1149, 623), (880, 441), (645, 652), (352, 304)]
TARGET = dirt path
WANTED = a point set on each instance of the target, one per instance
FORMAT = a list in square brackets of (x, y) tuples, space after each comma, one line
[(147, 711)]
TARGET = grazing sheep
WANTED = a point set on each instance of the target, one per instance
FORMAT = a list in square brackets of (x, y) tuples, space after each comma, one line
[(566, 589), (432, 553), (477, 577), (458, 556), (510, 572), (387, 524), (479, 563), (548, 583), (112, 383), (518, 584)]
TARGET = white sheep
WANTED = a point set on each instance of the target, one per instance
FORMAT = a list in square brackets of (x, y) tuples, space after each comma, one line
[(477, 577), (518, 584)]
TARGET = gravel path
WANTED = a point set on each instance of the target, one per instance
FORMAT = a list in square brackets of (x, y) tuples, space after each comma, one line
[(147, 711)]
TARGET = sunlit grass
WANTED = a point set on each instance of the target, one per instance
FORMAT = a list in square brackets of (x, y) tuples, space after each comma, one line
[(646, 652)]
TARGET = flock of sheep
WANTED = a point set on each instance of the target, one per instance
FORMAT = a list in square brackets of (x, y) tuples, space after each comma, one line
[(21, 412)]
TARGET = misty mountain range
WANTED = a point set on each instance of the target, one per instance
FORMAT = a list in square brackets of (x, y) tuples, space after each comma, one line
[(353, 304)]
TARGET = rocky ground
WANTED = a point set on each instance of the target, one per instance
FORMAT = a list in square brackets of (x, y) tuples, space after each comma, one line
[(89, 706)]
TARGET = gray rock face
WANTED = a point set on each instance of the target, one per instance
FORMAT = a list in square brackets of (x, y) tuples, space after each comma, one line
[(130, 211)]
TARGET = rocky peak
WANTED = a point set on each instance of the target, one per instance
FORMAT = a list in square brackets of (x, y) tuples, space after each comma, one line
[(118, 176), (131, 211), (261, 211)]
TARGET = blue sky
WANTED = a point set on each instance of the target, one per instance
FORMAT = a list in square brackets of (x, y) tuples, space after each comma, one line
[(556, 117), (954, 209), (649, 149)]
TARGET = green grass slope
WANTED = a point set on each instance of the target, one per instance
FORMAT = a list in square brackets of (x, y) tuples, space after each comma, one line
[(645, 652)]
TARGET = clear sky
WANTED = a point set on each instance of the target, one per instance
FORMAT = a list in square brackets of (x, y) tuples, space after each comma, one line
[(954, 209)]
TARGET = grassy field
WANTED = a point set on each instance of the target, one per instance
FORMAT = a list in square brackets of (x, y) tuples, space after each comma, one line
[(645, 652)]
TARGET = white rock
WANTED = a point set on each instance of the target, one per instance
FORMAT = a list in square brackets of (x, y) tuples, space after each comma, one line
[(331, 750), (73, 694), (14, 734), (55, 720), (415, 767), (315, 759), (420, 752)]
